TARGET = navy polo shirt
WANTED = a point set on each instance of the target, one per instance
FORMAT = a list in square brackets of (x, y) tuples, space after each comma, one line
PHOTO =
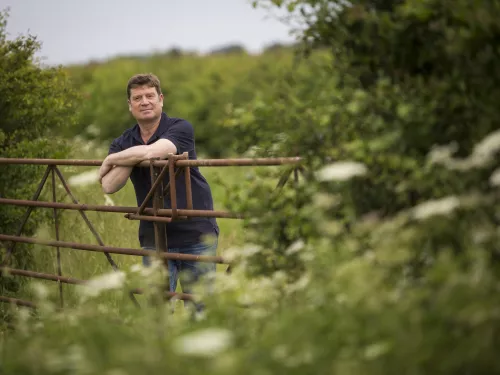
[(180, 233)]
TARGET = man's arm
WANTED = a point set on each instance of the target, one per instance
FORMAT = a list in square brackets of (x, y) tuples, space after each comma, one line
[(134, 155), (113, 177)]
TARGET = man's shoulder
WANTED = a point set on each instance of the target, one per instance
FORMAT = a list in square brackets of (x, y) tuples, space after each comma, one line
[(126, 137), (179, 121), (178, 124)]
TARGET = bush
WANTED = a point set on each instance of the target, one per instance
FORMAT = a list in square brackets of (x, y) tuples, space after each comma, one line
[(36, 104)]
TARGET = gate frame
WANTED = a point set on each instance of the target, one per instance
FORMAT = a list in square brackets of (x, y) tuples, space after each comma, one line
[(174, 165)]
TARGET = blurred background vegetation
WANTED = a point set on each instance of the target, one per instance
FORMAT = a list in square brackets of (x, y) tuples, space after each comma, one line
[(382, 258)]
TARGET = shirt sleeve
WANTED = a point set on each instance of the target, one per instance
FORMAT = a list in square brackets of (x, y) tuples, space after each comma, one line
[(181, 134), (115, 146)]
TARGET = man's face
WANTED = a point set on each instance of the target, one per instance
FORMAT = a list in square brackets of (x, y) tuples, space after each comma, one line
[(145, 104)]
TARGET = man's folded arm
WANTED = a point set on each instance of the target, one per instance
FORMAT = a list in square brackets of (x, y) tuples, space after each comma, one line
[(134, 155), (115, 179), (116, 168)]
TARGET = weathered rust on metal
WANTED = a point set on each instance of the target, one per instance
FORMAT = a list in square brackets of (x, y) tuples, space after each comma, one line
[(179, 163), (204, 213), (150, 194), (74, 281), (36, 161), (158, 219), (121, 209), (18, 302), (26, 216), (159, 227), (173, 191), (166, 189), (237, 162), (56, 227), (174, 164), (113, 250), (117, 209), (189, 192), (43, 276)]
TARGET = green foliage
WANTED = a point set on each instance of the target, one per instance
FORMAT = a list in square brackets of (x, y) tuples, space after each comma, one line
[(36, 104), (352, 310), (198, 88), (426, 79)]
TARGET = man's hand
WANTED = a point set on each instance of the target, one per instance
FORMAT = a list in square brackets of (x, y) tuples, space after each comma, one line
[(104, 170)]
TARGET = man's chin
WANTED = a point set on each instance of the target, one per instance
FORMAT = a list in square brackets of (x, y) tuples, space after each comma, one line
[(147, 116)]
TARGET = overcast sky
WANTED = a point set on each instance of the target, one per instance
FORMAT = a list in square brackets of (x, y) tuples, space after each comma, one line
[(74, 31)]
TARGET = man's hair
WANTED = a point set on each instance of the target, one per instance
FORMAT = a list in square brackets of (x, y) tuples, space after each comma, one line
[(143, 79)]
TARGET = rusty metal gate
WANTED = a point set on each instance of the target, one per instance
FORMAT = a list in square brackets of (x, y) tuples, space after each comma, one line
[(174, 165)]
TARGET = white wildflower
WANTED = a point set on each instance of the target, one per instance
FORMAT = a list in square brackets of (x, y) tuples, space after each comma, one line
[(231, 254), (138, 267), (23, 316), (295, 247), (85, 178), (341, 171), (155, 265), (481, 236), (442, 154), (252, 151), (40, 291), (488, 146), (430, 208), (226, 282), (250, 250), (108, 201), (482, 155), (377, 349), (204, 343), (112, 280), (300, 284), (323, 200), (93, 130), (495, 177)]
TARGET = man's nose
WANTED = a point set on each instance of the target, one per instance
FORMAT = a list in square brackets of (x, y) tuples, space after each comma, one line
[(144, 100)]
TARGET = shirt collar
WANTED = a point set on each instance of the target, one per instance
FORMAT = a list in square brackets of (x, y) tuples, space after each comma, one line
[(162, 127)]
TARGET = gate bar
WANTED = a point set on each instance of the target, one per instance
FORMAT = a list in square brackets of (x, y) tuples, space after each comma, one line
[(73, 281), (146, 163), (114, 250), (121, 209)]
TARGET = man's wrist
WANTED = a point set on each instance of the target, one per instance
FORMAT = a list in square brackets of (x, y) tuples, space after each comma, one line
[(109, 159)]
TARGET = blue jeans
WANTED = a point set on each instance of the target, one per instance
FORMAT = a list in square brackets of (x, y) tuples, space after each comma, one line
[(189, 272)]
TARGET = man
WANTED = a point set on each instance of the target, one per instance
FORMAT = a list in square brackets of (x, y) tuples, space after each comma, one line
[(155, 136)]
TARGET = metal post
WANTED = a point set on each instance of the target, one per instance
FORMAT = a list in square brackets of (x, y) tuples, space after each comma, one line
[(173, 192), (159, 227), (56, 225), (189, 192)]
